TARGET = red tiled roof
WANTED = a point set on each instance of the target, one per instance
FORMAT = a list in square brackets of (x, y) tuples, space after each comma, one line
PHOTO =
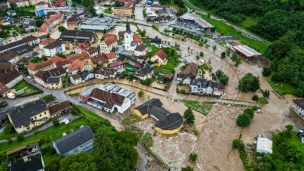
[(161, 54), (44, 26), (83, 46), (115, 64), (136, 38), (35, 67), (99, 59), (121, 33), (111, 55), (3, 88), (111, 99), (110, 39), (76, 65), (59, 107), (46, 41)]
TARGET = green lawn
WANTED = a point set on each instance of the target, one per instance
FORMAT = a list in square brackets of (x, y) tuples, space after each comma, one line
[(107, 11), (203, 107), (27, 8), (283, 88), (153, 49), (130, 119), (226, 29), (262, 100), (20, 85), (48, 98), (165, 69), (249, 22), (74, 95)]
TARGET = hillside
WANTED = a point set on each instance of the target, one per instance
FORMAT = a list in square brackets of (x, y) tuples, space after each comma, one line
[(278, 21)]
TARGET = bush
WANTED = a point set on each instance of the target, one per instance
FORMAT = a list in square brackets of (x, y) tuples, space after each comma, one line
[(193, 157), (9, 129), (141, 93), (238, 144), (249, 83), (255, 97), (195, 131), (189, 116), (20, 137), (266, 71), (55, 122), (48, 150), (250, 112), (187, 168), (41, 141), (243, 120)]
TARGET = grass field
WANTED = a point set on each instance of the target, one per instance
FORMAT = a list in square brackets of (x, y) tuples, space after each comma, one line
[(203, 107), (48, 98), (28, 8), (130, 119), (249, 22), (262, 100), (165, 69), (20, 85), (74, 95), (283, 88), (107, 11)]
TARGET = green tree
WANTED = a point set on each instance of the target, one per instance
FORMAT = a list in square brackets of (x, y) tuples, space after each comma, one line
[(219, 73), (250, 112), (238, 62), (55, 122), (255, 97), (224, 79), (243, 120), (20, 137), (127, 137), (234, 56), (200, 44), (249, 83), (214, 47), (9, 129), (141, 93), (266, 71), (193, 157), (299, 91), (187, 168), (228, 52), (78, 162), (201, 54), (39, 22), (266, 93), (61, 28), (189, 116), (223, 55), (54, 164), (238, 144)]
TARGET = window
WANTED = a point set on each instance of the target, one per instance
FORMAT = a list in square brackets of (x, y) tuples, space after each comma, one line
[(40, 115)]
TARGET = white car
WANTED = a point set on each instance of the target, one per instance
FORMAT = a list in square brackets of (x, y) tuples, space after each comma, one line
[(29, 77), (34, 149)]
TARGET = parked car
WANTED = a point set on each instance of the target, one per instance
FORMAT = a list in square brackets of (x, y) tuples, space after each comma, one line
[(3, 104), (29, 77), (34, 149), (82, 102)]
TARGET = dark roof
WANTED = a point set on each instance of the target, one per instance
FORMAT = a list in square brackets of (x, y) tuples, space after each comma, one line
[(215, 84), (53, 45), (59, 107), (299, 102), (170, 121), (157, 112), (57, 71), (77, 34), (21, 115), (145, 107), (43, 75), (11, 11), (92, 50), (189, 71), (109, 98), (34, 162), (23, 49), (9, 76), (74, 139), (169, 76), (145, 70), (6, 66), (105, 71), (29, 38), (203, 83), (141, 47), (12, 45), (3, 116), (156, 41), (52, 80), (9, 55), (76, 76), (84, 74)]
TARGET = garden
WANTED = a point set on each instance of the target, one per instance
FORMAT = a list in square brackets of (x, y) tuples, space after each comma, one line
[(24, 89), (203, 107)]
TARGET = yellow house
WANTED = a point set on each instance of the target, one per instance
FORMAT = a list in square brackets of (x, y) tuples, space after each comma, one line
[(167, 123), (159, 58), (27, 116), (99, 59), (53, 83)]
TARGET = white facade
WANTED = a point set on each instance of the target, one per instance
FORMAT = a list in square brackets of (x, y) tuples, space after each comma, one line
[(128, 39), (14, 82), (140, 53), (76, 81), (104, 48), (100, 76), (52, 52), (297, 109)]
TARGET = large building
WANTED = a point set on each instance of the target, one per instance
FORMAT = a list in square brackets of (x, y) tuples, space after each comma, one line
[(98, 24), (298, 107), (78, 36), (167, 123), (108, 44), (198, 21), (246, 51), (80, 140), (203, 86), (187, 74), (131, 40), (109, 97)]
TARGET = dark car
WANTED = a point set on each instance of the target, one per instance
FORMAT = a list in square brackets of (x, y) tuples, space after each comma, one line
[(82, 102), (3, 104)]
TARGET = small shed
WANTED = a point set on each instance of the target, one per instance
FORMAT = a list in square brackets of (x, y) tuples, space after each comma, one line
[(264, 145)]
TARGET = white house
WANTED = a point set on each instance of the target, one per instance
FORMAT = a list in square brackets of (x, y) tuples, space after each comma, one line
[(298, 107), (140, 50), (76, 79), (85, 76), (103, 73), (108, 44), (54, 48), (204, 87)]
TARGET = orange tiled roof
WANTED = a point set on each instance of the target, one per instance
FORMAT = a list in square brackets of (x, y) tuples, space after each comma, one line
[(77, 65), (136, 38), (109, 39), (111, 55), (35, 67), (47, 41)]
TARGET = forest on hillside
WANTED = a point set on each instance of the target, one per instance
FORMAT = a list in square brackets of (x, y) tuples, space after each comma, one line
[(280, 21)]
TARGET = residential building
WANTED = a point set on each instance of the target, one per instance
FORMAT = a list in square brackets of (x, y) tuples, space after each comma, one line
[(111, 57), (41, 5), (19, 3), (103, 73), (32, 162), (50, 23), (45, 42), (187, 74), (204, 87), (76, 79), (29, 40), (3, 119), (92, 51), (79, 66), (11, 78), (3, 90), (43, 66), (109, 97), (298, 107), (117, 65), (97, 24), (159, 58), (78, 18), (122, 11), (157, 42), (6, 67), (108, 44), (140, 50), (54, 48), (167, 123), (11, 12), (58, 109), (82, 47), (38, 2), (24, 51), (27, 116), (131, 40), (98, 60), (78, 36), (47, 80), (10, 56), (77, 141), (169, 77), (86, 75), (144, 72), (59, 71)]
